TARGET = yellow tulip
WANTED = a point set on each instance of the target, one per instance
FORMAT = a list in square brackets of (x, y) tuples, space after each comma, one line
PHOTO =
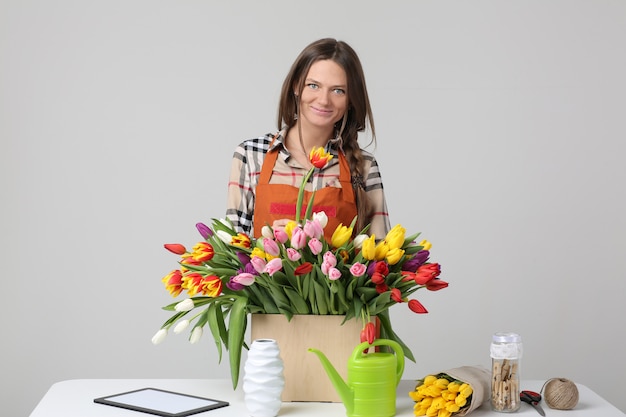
[(381, 250), (438, 403), (444, 413), (258, 252), (426, 245), (466, 392), (395, 237), (452, 407), (442, 382), (432, 412), (454, 386), (341, 235), (429, 380), (433, 391), (394, 256), (460, 401), (448, 395), (419, 411), (289, 228), (368, 249), (426, 402)]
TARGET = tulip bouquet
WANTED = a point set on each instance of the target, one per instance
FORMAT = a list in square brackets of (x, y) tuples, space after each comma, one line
[(454, 392), (294, 270)]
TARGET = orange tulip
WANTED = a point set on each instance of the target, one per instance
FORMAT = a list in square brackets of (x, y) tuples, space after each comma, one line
[(319, 157)]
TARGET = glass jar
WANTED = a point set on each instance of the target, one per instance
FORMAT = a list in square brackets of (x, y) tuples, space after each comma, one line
[(506, 352)]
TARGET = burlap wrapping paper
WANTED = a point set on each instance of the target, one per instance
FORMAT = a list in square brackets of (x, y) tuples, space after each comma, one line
[(479, 379)]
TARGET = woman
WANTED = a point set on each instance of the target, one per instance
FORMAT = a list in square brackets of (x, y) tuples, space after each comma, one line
[(323, 103)]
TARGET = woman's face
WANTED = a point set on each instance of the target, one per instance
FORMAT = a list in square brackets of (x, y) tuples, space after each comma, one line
[(324, 98)]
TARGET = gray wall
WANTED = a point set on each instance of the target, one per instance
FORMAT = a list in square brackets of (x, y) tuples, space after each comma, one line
[(501, 138)]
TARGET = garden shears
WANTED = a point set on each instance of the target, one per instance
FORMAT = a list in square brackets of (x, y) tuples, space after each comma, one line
[(532, 398)]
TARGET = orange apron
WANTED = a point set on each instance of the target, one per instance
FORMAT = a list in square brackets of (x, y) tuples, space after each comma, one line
[(278, 201)]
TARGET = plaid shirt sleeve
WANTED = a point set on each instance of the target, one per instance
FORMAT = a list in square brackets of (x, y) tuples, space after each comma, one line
[(244, 174), (380, 224)]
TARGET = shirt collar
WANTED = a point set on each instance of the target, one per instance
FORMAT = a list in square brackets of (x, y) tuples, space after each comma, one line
[(279, 141)]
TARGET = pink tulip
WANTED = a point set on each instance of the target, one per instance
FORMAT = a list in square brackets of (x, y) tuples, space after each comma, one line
[(273, 266), (334, 274), (316, 246), (298, 238), (358, 269), (244, 279), (313, 229), (330, 258), (293, 254), (258, 263), (271, 247), (280, 235)]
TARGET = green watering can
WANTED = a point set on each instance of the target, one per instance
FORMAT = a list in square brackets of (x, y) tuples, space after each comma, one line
[(372, 379)]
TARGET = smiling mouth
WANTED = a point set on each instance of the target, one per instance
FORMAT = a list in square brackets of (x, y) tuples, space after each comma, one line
[(321, 111)]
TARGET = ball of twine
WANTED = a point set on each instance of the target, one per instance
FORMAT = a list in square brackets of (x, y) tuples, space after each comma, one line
[(560, 393)]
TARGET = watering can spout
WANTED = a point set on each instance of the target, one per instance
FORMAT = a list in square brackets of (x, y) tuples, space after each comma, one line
[(344, 391)]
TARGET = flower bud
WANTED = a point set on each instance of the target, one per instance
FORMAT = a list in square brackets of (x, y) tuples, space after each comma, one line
[(185, 305), (204, 230), (175, 248), (159, 336), (196, 334), (181, 326), (266, 232)]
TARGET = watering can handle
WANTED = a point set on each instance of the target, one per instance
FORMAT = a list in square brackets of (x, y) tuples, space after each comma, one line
[(358, 351)]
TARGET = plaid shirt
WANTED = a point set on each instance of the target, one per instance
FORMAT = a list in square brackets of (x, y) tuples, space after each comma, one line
[(246, 168)]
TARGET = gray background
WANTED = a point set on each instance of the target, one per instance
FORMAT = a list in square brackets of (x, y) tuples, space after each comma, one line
[(501, 137)]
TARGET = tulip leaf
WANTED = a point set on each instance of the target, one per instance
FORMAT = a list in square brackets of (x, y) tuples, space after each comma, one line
[(174, 318), (216, 324), (320, 295), (386, 332), (236, 329), (297, 301)]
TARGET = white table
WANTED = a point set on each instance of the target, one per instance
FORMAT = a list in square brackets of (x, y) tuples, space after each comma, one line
[(74, 398)]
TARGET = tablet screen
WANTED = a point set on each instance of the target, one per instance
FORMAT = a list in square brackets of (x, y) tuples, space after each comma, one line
[(161, 402)]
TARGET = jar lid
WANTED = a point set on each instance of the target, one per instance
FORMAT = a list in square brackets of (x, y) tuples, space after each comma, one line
[(506, 337)]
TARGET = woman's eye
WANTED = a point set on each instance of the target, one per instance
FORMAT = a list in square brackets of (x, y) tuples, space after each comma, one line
[(339, 91), (312, 86)]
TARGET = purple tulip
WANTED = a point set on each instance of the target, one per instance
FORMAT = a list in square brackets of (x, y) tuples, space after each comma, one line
[(244, 258), (204, 230), (416, 261), (235, 286)]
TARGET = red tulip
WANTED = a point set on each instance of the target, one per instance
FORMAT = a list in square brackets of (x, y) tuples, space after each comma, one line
[(396, 295), (368, 334), (436, 285), (417, 307), (176, 248), (303, 269)]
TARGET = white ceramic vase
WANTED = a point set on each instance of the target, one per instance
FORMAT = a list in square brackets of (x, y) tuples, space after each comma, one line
[(263, 380)]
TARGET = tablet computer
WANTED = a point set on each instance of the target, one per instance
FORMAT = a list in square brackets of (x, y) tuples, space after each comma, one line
[(161, 402)]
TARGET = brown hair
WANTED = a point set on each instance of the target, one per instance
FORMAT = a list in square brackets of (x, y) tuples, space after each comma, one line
[(358, 114)]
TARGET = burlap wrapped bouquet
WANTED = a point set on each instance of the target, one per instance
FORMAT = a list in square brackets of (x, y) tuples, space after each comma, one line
[(454, 392)]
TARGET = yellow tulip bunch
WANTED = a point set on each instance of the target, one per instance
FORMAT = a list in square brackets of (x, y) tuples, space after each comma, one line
[(440, 395)]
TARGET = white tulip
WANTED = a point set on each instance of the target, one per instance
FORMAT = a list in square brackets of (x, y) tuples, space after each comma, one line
[(359, 239), (185, 305), (225, 236), (266, 231), (196, 334), (181, 326), (159, 336), (321, 217)]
